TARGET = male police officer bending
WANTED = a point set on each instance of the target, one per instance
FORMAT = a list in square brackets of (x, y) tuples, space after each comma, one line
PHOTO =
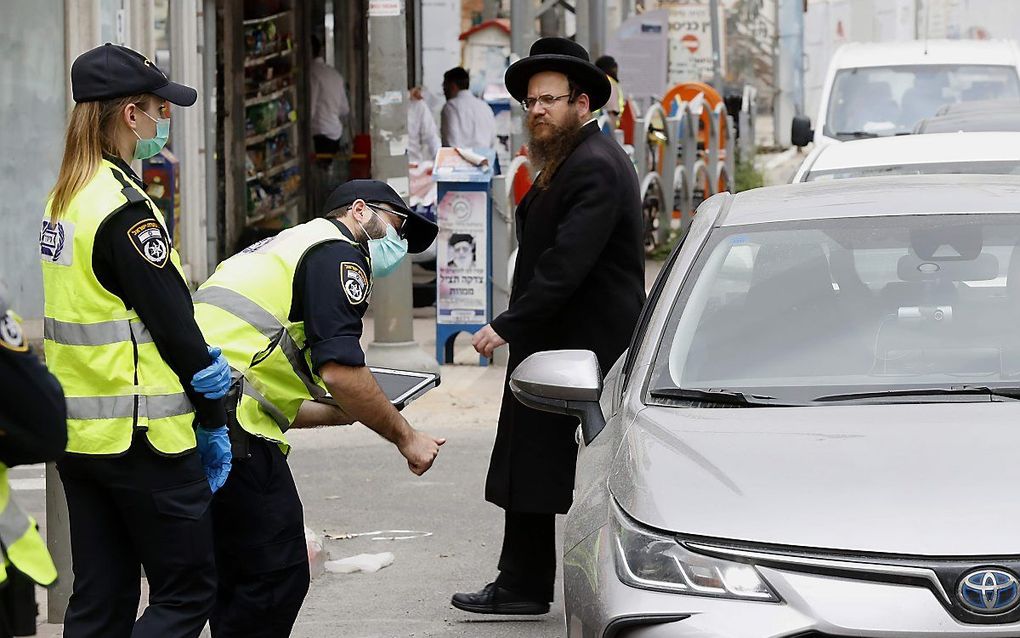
[(288, 312)]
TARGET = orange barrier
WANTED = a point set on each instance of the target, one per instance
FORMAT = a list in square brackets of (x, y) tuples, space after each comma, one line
[(687, 91), (627, 120), (521, 178)]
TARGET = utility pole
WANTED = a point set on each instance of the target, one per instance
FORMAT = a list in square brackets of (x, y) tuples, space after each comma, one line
[(522, 34), (789, 68), (394, 345), (717, 79)]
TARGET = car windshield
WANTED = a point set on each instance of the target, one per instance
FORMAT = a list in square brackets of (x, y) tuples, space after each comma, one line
[(795, 311), (890, 100), (926, 168)]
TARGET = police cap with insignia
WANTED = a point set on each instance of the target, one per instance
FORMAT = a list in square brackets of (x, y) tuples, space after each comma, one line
[(419, 230), (111, 71)]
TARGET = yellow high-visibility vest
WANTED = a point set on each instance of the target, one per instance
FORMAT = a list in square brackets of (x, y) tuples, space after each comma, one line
[(22, 544), (113, 376), (245, 306)]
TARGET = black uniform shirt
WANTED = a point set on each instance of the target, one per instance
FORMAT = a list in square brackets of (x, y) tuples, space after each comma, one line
[(149, 284), (33, 415), (332, 286)]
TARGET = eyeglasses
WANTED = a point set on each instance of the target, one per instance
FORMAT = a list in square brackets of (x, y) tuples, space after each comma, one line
[(400, 216), (545, 100)]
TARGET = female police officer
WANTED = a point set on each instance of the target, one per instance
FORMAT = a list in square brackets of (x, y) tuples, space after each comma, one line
[(120, 336)]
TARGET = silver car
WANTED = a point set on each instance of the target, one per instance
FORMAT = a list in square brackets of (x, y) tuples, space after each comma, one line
[(816, 430)]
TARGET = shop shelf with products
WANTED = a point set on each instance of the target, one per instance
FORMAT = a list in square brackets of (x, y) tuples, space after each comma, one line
[(265, 117)]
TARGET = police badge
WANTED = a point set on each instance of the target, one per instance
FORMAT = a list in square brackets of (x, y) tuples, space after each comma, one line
[(354, 281), (150, 241), (11, 335)]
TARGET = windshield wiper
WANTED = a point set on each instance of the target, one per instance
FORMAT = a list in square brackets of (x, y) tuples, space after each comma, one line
[(718, 395), (1011, 393), (857, 135)]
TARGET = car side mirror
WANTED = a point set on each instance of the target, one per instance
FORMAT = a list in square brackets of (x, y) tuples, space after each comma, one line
[(563, 382), (801, 133)]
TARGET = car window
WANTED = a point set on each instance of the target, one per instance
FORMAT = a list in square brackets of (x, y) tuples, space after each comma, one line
[(799, 310), (891, 100), (927, 168)]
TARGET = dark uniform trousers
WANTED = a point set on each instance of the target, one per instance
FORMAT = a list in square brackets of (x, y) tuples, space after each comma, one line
[(527, 563), (261, 553), (138, 510)]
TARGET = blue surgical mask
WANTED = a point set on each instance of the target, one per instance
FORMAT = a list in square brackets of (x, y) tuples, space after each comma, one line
[(387, 251), (144, 149)]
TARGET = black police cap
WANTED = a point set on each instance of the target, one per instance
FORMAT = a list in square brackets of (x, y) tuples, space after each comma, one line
[(113, 71), (418, 229)]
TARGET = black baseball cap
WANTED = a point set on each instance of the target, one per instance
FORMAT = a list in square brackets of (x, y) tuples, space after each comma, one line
[(113, 71), (419, 231)]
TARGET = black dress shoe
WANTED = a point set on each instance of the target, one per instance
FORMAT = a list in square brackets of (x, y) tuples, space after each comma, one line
[(493, 599)]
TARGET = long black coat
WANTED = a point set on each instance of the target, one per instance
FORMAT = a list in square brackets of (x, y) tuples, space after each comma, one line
[(578, 284)]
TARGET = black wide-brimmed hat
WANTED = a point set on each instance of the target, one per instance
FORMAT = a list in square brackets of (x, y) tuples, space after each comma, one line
[(420, 231), (562, 56)]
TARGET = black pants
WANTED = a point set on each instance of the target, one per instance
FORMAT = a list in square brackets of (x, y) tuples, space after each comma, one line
[(260, 547), (325, 146), (139, 509), (527, 564)]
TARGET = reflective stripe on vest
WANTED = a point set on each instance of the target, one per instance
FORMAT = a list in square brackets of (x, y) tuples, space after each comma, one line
[(152, 407), (245, 307), (94, 334), (262, 320), (249, 390), (21, 542), (114, 378)]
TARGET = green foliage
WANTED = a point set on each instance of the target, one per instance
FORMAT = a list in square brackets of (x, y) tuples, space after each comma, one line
[(662, 251), (748, 177)]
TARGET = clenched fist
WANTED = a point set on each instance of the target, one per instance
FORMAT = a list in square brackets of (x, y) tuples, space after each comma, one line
[(420, 450)]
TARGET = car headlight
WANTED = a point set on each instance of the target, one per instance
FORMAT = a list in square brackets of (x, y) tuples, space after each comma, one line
[(650, 560)]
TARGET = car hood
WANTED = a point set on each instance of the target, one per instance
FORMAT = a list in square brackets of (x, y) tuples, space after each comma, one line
[(923, 479)]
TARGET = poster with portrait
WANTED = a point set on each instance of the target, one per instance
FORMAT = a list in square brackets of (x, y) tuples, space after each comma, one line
[(462, 257)]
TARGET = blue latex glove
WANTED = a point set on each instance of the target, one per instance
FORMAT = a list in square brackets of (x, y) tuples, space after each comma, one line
[(214, 450), (213, 382)]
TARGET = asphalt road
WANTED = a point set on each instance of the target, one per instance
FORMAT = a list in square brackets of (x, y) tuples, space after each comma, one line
[(352, 481)]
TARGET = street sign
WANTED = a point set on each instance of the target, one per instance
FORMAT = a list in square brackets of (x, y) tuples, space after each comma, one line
[(690, 41)]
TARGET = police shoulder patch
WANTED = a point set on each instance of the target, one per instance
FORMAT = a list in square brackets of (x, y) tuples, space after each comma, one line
[(150, 241), (354, 281), (11, 335), (56, 242)]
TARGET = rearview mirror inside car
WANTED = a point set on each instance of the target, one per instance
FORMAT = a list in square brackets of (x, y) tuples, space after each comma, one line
[(563, 382)]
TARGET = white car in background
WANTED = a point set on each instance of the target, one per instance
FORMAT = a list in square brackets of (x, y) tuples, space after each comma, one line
[(937, 153), (875, 89)]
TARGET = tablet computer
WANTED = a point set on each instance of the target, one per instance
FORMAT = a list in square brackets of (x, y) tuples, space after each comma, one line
[(400, 386)]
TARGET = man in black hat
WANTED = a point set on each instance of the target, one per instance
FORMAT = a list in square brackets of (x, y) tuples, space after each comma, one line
[(289, 310), (578, 284)]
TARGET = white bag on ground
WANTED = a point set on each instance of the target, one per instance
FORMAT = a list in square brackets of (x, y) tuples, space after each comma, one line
[(368, 563)]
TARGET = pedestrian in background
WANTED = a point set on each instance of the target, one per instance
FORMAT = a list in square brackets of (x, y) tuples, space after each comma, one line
[(327, 95), (578, 284), (33, 429), (120, 336), (615, 104), (466, 121)]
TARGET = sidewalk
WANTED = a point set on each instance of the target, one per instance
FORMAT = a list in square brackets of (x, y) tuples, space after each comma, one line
[(351, 480)]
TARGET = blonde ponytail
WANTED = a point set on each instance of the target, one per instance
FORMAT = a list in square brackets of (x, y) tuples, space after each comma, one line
[(90, 133)]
